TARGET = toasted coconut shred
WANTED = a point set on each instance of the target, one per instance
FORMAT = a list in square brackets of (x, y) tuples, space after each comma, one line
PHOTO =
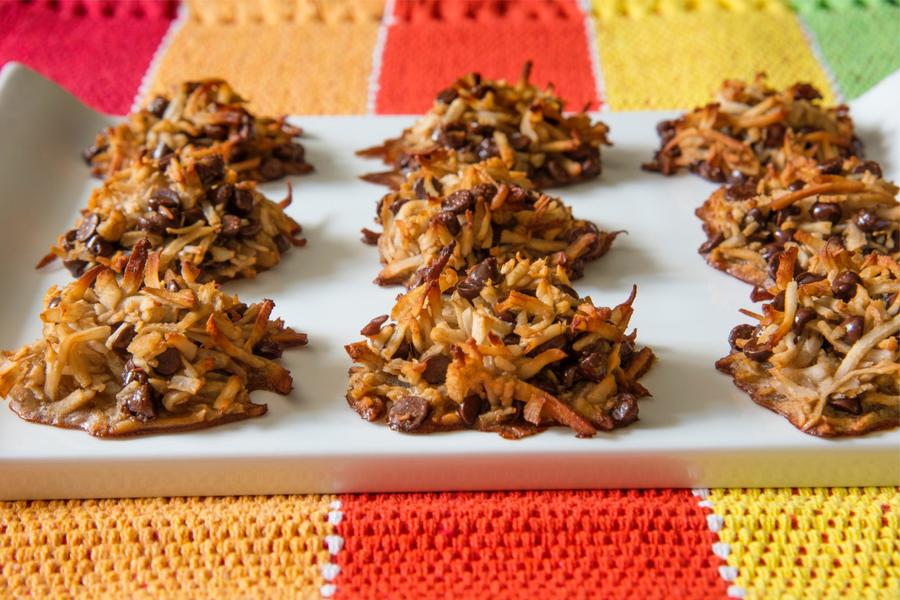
[(519, 123), (202, 117), (480, 211), (824, 353), (506, 347), (146, 350), (749, 224), (750, 126), (193, 209)]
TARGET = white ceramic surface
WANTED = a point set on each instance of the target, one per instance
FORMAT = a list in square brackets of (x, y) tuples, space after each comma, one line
[(697, 430)]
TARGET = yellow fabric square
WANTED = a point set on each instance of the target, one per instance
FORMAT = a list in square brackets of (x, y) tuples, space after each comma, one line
[(661, 55)]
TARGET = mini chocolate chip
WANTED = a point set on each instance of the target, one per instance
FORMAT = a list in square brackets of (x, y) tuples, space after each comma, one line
[(519, 142), (130, 373), (868, 165), (215, 132), (164, 197), (593, 366), (436, 369), (755, 215), (458, 202), (370, 237), (469, 409), (868, 221), (271, 168), (506, 316), (231, 226), (87, 227), (625, 410), (236, 312), (778, 301), (556, 343), (486, 191), (740, 332), (221, 194), (759, 294), (740, 191), (168, 362), (157, 107), (140, 403), (782, 215), (75, 267), (843, 287), (154, 223), (845, 403), (486, 149), (282, 243), (98, 246), (756, 351), (267, 349), (405, 351), (805, 91), (512, 339), (447, 96), (831, 167), (803, 316), (795, 185), (826, 211), (210, 169), (124, 336), (709, 172), (250, 230), (806, 278), (241, 202), (774, 135), (373, 326), (292, 153), (470, 287), (408, 413), (854, 327), (448, 220), (419, 189), (712, 242), (783, 236)]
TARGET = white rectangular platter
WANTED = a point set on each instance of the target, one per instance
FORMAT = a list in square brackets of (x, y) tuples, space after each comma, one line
[(697, 430)]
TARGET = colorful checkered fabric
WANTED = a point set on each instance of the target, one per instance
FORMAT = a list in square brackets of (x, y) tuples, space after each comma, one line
[(358, 56)]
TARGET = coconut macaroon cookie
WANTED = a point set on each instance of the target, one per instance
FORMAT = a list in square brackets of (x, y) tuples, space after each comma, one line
[(824, 353), (749, 224), (520, 123), (481, 211), (202, 115), (192, 209), (505, 347), (137, 352), (749, 126)]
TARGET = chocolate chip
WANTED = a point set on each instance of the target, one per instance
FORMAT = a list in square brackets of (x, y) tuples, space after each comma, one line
[(168, 362), (569, 291), (241, 202), (487, 191), (843, 287), (458, 202), (271, 168), (796, 185), (778, 302), (157, 107), (774, 135), (845, 403), (712, 242), (448, 220), (419, 189), (805, 91), (292, 153), (869, 165), (511, 339), (487, 148), (75, 267), (447, 96), (783, 236), (282, 243), (436, 369), (831, 167), (784, 214), (215, 132), (470, 287), (98, 246), (519, 142), (231, 226), (69, 239), (250, 230), (131, 372), (221, 194), (625, 409), (806, 278), (826, 211), (756, 351), (803, 316), (593, 366), (759, 294), (164, 197), (469, 409), (154, 223), (210, 169), (408, 413), (370, 237), (373, 326), (432, 271), (87, 227), (556, 343), (235, 313), (268, 349), (140, 403), (740, 332), (755, 215), (867, 220), (854, 327), (740, 191), (123, 337), (91, 151), (710, 172)]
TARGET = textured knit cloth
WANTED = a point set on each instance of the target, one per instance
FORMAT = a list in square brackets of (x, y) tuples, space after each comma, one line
[(358, 56)]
